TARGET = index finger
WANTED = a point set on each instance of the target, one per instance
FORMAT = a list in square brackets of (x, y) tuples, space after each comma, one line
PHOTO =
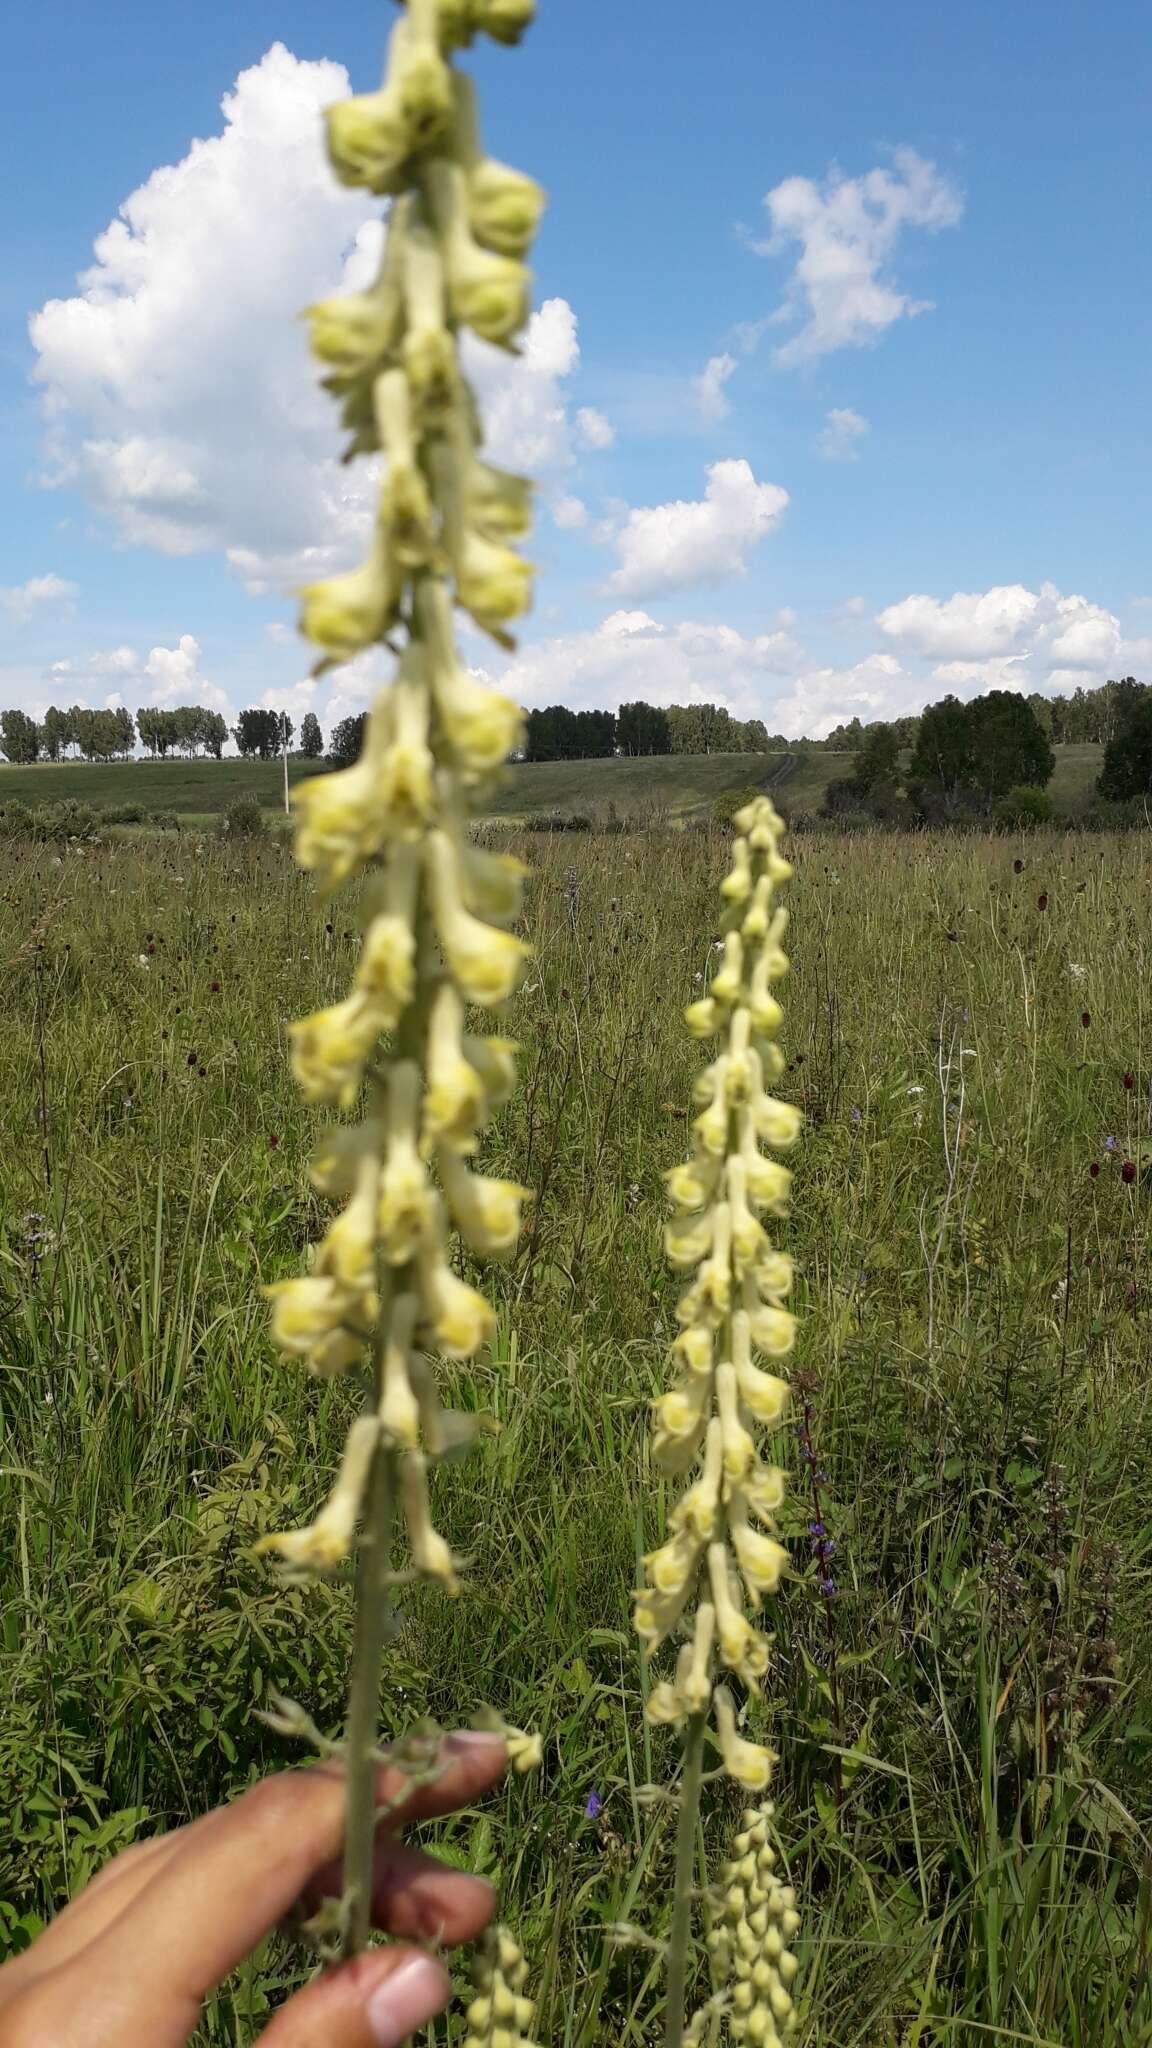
[(233, 1880)]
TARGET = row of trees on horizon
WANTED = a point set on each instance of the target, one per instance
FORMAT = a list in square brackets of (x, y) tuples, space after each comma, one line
[(187, 729), (553, 733)]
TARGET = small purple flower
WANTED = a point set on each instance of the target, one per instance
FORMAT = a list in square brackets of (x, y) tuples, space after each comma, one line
[(828, 1588), (816, 1528), (593, 1806), (830, 1547), (1109, 1144), (857, 1116)]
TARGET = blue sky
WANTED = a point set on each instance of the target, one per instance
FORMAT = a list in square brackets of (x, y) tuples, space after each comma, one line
[(926, 472)]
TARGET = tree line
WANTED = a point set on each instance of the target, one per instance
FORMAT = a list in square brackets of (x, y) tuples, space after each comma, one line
[(558, 734), (187, 729), (993, 753)]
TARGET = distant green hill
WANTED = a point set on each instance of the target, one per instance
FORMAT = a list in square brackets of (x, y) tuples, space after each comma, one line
[(682, 785)]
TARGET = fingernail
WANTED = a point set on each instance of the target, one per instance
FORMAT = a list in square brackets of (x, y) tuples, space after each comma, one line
[(476, 1739), (409, 1997)]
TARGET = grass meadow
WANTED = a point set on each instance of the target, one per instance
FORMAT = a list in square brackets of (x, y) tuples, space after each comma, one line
[(657, 786), (965, 1724)]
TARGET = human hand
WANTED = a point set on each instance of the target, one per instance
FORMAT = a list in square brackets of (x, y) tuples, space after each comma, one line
[(128, 1962)]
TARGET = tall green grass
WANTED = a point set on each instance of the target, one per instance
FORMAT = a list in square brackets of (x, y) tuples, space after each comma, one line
[(965, 1727)]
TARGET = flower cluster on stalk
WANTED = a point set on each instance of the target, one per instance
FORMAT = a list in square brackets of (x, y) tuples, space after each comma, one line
[(721, 1556), (401, 1049)]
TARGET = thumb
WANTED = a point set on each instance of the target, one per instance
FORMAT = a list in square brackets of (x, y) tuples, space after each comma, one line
[(376, 2001)]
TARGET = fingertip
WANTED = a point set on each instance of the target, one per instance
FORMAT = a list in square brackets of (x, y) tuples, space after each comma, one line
[(410, 1989)]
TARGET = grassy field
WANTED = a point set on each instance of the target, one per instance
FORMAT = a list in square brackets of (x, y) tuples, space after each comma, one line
[(676, 785), (966, 1729)]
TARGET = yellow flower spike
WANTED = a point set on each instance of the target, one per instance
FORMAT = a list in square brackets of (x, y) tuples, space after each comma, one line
[(749, 1763), (340, 824), (331, 1047), (430, 1554), (486, 1212), (486, 964), (328, 1540)]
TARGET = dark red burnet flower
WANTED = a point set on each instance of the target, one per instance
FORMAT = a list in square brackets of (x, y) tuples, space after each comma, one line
[(273, 1142), (1128, 1172), (1017, 867), (1129, 1079), (1085, 1018), (215, 988), (1042, 900), (1094, 1169)]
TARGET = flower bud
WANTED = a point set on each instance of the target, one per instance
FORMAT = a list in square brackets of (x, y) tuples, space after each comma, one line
[(346, 614), (750, 1763), (504, 207), (430, 1554), (328, 1541), (486, 1212), (457, 1319)]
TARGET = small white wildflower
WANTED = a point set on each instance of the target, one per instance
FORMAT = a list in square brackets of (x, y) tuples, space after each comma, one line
[(143, 961), (916, 1089), (1075, 971)]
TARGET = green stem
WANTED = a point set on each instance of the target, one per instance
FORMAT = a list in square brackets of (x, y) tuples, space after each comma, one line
[(372, 1603), (680, 1934)]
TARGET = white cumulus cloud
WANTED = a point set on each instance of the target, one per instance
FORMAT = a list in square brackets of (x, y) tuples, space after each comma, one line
[(592, 429), (177, 388), (847, 230), (1008, 637), (569, 512), (23, 601), (842, 434), (711, 397), (630, 655), (668, 547)]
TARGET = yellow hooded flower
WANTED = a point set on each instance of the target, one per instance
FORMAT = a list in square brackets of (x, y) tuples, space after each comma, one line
[(331, 1047), (493, 582), (328, 1540), (750, 1763), (504, 207), (348, 1250), (455, 1103), (386, 969), (457, 1319), (346, 614), (486, 964), (310, 1318), (430, 1554), (486, 1212), (338, 1154)]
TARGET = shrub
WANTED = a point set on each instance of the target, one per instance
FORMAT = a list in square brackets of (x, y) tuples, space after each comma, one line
[(124, 814), (1023, 808), (165, 821), (17, 821), (557, 821), (726, 805), (243, 820)]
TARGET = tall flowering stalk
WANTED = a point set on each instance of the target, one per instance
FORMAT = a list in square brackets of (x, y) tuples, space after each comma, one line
[(708, 1578), (436, 909)]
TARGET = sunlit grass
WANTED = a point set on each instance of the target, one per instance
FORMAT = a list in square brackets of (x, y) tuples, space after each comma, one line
[(966, 1729)]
